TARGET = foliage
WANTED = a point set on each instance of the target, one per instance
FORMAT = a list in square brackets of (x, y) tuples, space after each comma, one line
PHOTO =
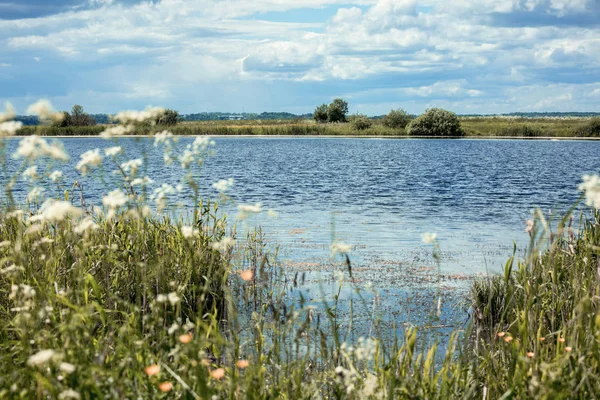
[(337, 110), (591, 129), (77, 117), (397, 119), (320, 114), (360, 122), (169, 118), (435, 122)]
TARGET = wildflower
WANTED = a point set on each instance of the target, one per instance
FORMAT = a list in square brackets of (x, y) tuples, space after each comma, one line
[(224, 244), (186, 338), (118, 130), (189, 231), (561, 340), (44, 110), (173, 298), (428, 238), (113, 151), (340, 248), (223, 185), (66, 367), (165, 387), (542, 339), (248, 208), (132, 166), (173, 328), (10, 128), (41, 357), (246, 275), (501, 334), (86, 225), (4, 244), (90, 158), (272, 214), (162, 137), (142, 181), (217, 374), (69, 394), (149, 114), (161, 298), (115, 199), (34, 194), (56, 176), (530, 354), (160, 195), (591, 189), (242, 364), (186, 159), (529, 227), (31, 172), (151, 370), (34, 147), (9, 114), (508, 339), (55, 211)]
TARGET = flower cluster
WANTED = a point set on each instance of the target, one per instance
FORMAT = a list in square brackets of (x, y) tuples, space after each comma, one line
[(33, 147), (591, 189)]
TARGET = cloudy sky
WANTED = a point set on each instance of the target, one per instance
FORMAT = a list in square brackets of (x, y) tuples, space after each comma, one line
[(470, 56)]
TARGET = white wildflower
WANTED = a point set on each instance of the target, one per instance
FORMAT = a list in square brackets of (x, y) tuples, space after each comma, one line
[(66, 367), (9, 114), (223, 185), (529, 227), (186, 159), (113, 151), (160, 195), (340, 248), (10, 128), (34, 147), (31, 172), (118, 130), (249, 208), (90, 158), (428, 238), (189, 231), (4, 244), (132, 166), (15, 214), (86, 225), (56, 176), (162, 137), (179, 187), (69, 394), (224, 244), (44, 110), (200, 144), (173, 328), (370, 386), (168, 160), (591, 189), (142, 181), (34, 194), (33, 229), (55, 211), (173, 298), (115, 199), (149, 114), (161, 298), (40, 358)]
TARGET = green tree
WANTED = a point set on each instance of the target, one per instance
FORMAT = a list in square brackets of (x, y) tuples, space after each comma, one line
[(436, 122), (320, 114), (397, 119), (79, 117), (337, 110)]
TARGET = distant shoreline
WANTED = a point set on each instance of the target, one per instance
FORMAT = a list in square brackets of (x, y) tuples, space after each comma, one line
[(469, 137)]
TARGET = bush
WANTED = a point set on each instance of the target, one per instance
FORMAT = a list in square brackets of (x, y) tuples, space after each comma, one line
[(360, 122), (436, 122), (396, 119), (169, 118)]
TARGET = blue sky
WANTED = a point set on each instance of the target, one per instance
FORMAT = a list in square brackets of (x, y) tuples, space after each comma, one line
[(469, 56)]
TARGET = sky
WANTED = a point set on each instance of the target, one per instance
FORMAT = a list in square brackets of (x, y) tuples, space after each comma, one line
[(468, 56)]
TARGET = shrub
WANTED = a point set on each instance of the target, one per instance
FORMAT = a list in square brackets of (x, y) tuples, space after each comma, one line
[(396, 119), (436, 122), (169, 118), (360, 122), (320, 114)]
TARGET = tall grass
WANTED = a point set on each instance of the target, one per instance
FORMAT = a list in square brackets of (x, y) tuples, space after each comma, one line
[(121, 302)]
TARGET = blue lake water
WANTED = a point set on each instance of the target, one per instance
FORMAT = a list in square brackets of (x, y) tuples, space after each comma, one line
[(378, 195)]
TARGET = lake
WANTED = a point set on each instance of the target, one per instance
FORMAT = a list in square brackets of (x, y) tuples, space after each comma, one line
[(380, 195)]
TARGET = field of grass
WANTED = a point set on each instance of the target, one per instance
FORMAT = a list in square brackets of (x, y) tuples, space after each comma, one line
[(473, 127), (125, 301)]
